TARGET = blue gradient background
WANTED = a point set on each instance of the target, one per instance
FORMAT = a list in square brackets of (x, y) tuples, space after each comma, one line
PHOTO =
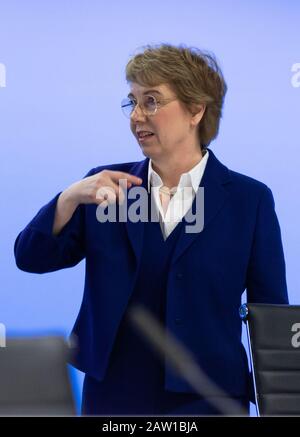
[(60, 116)]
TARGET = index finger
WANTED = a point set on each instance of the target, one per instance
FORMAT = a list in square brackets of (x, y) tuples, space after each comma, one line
[(117, 175)]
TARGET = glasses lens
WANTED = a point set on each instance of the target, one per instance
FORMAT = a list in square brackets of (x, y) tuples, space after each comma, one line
[(127, 106), (149, 104)]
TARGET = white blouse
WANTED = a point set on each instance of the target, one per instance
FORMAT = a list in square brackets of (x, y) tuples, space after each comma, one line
[(181, 201)]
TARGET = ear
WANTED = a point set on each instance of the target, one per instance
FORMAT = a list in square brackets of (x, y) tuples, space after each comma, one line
[(197, 114)]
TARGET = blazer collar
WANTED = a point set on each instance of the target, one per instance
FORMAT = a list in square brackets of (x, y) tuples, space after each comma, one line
[(216, 176)]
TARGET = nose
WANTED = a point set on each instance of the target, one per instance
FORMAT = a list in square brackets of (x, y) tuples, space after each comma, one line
[(137, 114)]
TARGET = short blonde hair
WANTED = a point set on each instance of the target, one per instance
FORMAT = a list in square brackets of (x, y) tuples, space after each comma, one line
[(194, 76)]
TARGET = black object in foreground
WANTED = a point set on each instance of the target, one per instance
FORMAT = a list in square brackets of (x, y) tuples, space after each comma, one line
[(34, 379), (274, 343)]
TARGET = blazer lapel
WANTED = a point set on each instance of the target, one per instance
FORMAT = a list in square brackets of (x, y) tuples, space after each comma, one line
[(136, 230), (215, 176)]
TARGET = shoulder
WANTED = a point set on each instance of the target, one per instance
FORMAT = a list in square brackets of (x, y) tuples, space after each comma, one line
[(247, 182), (250, 190), (242, 185)]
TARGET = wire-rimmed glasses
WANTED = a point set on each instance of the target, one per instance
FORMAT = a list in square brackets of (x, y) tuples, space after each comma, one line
[(148, 105)]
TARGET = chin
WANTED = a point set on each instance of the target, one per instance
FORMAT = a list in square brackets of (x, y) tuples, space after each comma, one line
[(147, 153), (150, 151)]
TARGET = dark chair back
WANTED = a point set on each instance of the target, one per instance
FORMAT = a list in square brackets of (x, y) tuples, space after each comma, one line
[(274, 345), (34, 378)]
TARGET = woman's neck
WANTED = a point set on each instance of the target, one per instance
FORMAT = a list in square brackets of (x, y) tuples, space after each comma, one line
[(171, 170)]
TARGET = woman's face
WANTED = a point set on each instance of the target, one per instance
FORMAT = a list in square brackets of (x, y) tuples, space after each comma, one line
[(173, 126)]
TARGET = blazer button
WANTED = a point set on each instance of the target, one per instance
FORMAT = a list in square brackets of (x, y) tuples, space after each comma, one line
[(179, 276)]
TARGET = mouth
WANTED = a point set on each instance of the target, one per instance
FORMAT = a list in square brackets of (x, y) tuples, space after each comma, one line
[(144, 135)]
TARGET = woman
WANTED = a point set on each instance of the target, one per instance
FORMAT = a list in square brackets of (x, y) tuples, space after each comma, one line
[(190, 279)]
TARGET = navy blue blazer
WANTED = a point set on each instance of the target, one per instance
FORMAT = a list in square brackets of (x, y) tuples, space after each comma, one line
[(239, 248)]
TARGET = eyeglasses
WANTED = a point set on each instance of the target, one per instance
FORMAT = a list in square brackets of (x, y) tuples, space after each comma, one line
[(149, 105)]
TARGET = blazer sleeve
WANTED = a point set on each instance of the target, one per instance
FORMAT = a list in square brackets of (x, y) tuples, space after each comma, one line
[(37, 250), (266, 274)]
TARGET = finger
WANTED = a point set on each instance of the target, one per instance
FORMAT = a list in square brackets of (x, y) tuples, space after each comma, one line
[(112, 192), (121, 191), (117, 175), (108, 193), (103, 204), (104, 198)]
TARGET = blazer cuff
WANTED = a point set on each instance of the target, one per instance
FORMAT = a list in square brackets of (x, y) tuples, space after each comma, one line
[(44, 220)]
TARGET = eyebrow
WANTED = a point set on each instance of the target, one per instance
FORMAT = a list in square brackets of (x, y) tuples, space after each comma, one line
[(147, 92)]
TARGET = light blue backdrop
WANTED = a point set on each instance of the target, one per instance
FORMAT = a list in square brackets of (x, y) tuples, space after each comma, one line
[(61, 82)]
